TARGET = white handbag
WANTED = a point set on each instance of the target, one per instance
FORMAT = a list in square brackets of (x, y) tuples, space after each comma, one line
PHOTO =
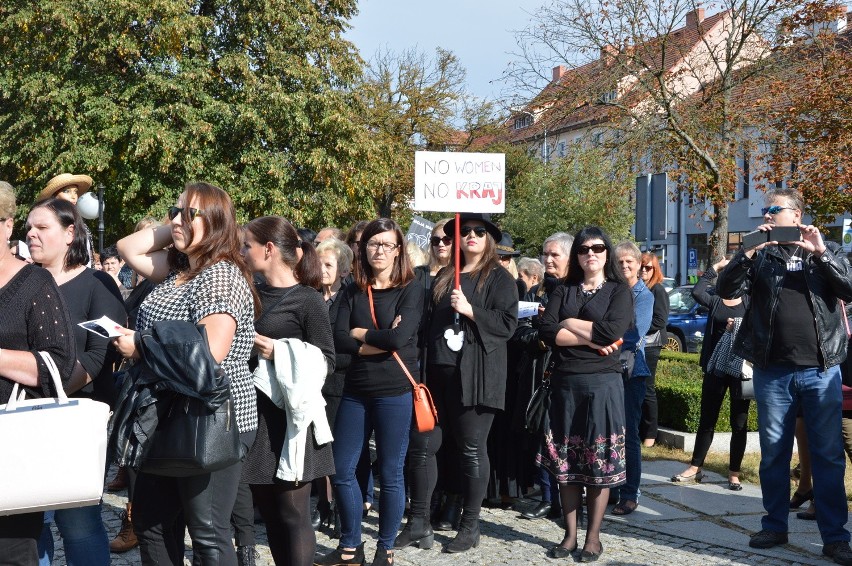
[(53, 450)]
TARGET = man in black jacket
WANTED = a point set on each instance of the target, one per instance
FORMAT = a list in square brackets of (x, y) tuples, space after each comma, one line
[(793, 333)]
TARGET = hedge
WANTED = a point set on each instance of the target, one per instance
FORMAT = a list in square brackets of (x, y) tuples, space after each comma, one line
[(678, 383)]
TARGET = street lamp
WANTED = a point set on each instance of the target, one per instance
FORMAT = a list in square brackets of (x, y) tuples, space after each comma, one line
[(92, 207)]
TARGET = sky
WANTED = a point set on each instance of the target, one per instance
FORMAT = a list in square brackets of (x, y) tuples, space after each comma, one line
[(479, 32)]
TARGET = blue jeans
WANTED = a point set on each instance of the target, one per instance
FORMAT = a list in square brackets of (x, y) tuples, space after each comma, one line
[(84, 537), (780, 391), (357, 417), (634, 396)]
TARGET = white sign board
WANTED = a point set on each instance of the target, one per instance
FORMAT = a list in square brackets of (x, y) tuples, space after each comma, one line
[(847, 235), (459, 182)]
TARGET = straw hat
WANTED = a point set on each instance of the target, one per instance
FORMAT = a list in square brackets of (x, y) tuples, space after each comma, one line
[(63, 181)]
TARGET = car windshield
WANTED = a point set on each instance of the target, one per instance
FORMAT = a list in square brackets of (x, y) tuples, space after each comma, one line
[(680, 300)]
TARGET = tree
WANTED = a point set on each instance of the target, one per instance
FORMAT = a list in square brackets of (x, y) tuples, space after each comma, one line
[(409, 102), (590, 186), (665, 88), (145, 96), (808, 100)]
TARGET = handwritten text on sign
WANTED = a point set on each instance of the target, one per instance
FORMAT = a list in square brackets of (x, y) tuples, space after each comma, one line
[(459, 182)]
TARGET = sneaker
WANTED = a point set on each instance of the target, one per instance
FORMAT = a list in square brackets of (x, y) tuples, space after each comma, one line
[(839, 552), (767, 539)]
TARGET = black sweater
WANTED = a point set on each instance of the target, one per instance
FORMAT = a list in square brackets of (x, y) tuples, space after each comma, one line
[(33, 318), (380, 375), (611, 312)]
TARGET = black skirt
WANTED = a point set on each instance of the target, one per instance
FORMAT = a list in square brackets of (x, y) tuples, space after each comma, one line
[(585, 442), (262, 461)]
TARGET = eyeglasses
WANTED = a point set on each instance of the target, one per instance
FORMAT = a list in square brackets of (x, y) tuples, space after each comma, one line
[(387, 247), (647, 268), (478, 230), (597, 248), (193, 212), (774, 209), (446, 240)]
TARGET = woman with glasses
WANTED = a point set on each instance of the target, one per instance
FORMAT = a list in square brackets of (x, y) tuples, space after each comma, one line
[(652, 276), (584, 321), (466, 374), (203, 279), (376, 324)]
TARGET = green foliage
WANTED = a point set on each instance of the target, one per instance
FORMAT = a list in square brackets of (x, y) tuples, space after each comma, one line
[(145, 96), (588, 187), (678, 384)]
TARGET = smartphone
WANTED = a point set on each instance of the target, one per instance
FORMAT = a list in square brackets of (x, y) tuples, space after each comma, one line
[(785, 234), (754, 239)]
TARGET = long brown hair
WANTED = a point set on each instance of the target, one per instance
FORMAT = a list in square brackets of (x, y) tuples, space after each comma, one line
[(221, 240), (651, 259), (446, 277), (283, 235), (401, 274)]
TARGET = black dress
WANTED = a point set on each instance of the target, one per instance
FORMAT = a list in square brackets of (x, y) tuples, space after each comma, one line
[(585, 442), (296, 312)]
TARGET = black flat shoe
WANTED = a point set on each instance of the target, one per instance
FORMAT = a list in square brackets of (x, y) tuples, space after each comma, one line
[(540, 511), (587, 556), (559, 551), (800, 499), (805, 516), (735, 486)]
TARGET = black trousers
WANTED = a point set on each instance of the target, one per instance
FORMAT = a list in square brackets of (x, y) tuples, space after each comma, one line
[(19, 538), (648, 424), (467, 429), (712, 394)]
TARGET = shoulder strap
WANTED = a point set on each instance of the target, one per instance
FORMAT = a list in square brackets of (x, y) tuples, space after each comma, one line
[(376, 324)]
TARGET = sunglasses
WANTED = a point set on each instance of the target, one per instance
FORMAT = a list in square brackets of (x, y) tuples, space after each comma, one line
[(478, 230), (597, 248), (774, 209), (647, 268), (193, 212), (446, 240)]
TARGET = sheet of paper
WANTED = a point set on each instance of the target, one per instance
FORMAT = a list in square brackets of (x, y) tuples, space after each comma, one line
[(103, 326), (526, 309)]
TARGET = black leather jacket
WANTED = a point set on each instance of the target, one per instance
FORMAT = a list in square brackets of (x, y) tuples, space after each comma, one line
[(828, 278)]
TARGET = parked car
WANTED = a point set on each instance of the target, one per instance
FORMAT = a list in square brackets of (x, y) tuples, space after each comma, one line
[(687, 320), (669, 283)]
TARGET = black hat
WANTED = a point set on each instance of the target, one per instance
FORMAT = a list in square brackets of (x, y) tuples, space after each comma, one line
[(450, 227), (506, 247)]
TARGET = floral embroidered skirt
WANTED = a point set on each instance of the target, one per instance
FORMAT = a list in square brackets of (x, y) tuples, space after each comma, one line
[(584, 443)]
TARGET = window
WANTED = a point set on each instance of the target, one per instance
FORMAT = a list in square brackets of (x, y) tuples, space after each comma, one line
[(608, 96), (597, 139), (561, 150), (746, 173), (524, 121)]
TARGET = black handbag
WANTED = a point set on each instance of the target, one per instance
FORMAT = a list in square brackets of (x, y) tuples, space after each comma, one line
[(538, 408), (192, 439)]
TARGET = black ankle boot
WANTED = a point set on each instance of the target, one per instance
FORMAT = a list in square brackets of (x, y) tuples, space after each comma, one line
[(335, 557), (467, 537), (246, 556), (417, 531), (383, 557), (451, 515)]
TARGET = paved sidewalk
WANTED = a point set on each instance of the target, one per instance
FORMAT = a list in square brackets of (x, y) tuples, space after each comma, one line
[(674, 524)]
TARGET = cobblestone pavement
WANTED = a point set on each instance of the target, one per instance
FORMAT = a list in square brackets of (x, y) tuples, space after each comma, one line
[(674, 524)]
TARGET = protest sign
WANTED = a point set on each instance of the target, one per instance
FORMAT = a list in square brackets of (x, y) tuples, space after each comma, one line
[(460, 182), (420, 231)]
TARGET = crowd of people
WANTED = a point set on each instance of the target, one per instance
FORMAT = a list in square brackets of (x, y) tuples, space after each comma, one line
[(319, 336)]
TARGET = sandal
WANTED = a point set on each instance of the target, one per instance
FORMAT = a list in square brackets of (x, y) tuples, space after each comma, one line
[(800, 499), (734, 485), (681, 478), (625, 507)]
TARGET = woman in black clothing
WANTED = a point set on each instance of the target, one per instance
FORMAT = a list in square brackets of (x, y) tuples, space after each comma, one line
[(291, 307), (468, 385), (585, 446), (713, 388), (652, 275), (377, 391), (33, 318), (58, 241)]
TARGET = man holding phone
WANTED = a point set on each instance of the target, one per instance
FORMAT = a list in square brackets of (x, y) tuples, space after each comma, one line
[(793, 333)]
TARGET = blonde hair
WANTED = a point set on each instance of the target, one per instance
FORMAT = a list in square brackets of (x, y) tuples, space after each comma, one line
[(7, 200), (416, 255)]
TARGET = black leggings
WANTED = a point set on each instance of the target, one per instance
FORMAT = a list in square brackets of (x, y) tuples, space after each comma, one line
[(712, 394), (286, 510), (467, 428)]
